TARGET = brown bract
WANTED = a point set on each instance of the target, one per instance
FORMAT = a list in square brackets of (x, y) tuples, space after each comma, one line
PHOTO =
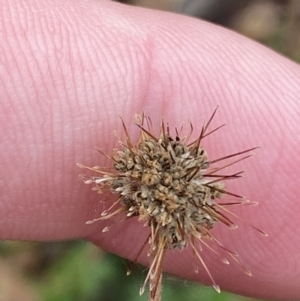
[(170, 185)]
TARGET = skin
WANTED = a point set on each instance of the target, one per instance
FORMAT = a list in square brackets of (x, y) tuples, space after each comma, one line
[(69, 69)]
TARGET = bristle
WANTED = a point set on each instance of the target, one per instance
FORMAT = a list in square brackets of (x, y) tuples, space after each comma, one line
[(104, 213), (142, 290), (217, 288), (128, 272), (214, 130), (245, 222), (204, 266), (106, 229), (248, 272), (233, 155), (225, 260), (92, 221)]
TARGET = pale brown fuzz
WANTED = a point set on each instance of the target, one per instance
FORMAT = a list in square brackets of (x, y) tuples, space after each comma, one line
[(170, 184)]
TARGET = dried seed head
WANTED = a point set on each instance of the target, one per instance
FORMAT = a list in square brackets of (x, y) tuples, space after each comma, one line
[(169, 184)]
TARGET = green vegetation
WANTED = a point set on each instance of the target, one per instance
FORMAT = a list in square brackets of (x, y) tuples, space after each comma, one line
[(79, 271)]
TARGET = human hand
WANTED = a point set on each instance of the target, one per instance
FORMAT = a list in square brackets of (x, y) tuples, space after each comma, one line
[(70, 69)]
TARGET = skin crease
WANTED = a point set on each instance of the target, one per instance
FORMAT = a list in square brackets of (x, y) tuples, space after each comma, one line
[(69, 69)]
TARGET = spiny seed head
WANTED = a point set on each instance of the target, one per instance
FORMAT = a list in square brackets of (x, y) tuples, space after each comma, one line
[(162, 181), (169, 184)]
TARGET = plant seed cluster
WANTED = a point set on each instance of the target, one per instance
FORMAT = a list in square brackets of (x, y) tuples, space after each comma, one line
[(168, 184), (161, 181)]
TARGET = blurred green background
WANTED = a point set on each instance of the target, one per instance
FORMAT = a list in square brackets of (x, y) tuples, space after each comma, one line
[(79, 271)]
